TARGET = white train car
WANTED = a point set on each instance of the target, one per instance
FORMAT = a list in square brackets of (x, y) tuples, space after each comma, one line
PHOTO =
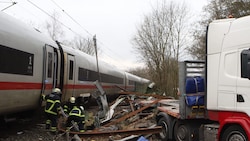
[(81, 71), (32, 64), (135, 83)]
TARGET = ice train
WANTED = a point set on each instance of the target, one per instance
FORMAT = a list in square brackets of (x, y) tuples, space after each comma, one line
[(32, 64)]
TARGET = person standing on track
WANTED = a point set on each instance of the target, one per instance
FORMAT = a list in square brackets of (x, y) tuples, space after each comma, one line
[(52, 108)]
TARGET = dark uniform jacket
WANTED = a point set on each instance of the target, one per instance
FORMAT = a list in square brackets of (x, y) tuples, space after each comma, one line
[(52, 104), (77, 112), (67, 107)]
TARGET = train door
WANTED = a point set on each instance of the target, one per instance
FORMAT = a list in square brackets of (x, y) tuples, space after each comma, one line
[(70, 76), (50, 67)]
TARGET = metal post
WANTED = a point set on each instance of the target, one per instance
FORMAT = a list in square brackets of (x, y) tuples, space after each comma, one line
[(97, 65)]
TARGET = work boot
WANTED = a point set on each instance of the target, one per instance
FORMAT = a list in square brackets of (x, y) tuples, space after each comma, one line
[(48, 123), (53, 131)]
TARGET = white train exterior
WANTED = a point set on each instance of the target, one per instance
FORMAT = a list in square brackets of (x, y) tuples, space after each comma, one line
[(32, 64)]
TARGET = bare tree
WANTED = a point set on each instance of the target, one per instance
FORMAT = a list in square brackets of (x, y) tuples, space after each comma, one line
[(54, 27), (198, 47), (83, 44), (159, 41), (215, 10), (140, 71), (56, 32)]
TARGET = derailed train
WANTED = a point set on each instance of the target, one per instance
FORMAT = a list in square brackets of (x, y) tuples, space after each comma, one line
[(32, 64)]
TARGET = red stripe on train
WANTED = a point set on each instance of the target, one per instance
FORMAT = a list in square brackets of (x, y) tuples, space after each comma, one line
[(19, 85), (33, 86), (86, 86)]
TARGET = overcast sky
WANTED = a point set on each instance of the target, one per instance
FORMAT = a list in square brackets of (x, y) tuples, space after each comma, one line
[(113, 22)]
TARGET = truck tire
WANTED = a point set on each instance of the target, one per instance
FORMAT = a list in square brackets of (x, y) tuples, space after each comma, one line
[(181, 131), (165, 123), (234, 133)]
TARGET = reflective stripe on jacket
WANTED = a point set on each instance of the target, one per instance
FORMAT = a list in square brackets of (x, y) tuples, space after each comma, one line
[(76, 112), (66, 109), (52, 104)]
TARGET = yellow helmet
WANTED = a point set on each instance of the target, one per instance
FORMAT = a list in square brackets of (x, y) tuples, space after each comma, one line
[(72, 100), (56, 90)]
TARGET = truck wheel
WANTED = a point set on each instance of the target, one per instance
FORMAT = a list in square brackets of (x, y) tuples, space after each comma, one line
[(181, 131), (164, 135), (234, 133)]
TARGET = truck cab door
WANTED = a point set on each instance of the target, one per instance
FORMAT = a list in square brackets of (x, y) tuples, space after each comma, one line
[(227, 84), (243, 82)]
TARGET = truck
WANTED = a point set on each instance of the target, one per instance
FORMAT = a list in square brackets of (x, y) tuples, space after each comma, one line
[(214, 95)]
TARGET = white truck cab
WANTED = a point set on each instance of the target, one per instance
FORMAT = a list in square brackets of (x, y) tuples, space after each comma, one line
[(220, 111)]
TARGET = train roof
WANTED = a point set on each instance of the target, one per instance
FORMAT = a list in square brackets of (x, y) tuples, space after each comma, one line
[(18, 33), (104, 67), (90, 61), (137, 78), (23, 33)]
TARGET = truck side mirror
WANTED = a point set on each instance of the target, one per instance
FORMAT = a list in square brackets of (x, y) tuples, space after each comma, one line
[(245, 64)]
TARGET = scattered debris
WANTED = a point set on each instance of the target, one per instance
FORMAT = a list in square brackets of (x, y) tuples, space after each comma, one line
[(130, 116)]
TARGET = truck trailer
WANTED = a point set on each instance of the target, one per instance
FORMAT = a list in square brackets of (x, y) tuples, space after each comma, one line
[(214, 95)]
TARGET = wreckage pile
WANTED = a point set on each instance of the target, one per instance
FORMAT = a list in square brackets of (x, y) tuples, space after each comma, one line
[(131, 116)]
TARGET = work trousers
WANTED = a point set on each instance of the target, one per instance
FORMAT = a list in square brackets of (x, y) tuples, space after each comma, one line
[(51, 122), (78, 120)]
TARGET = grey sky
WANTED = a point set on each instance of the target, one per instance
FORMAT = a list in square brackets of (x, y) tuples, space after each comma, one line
[(113, 21)]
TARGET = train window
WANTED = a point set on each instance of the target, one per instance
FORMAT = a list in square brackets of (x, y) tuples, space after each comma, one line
[(50, 63), (131, 82), (89, 75), (82, 74), (93, 75), (111, 79), (71, 66), (14, 61)]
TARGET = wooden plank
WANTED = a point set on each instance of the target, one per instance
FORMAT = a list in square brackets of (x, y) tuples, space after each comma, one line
[(131, 114)]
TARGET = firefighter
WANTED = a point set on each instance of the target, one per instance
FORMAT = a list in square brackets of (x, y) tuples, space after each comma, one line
[(77, 116), (52, 108), (69, 105)]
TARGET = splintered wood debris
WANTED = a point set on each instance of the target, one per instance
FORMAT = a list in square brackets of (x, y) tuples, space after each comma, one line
[(132, 115)]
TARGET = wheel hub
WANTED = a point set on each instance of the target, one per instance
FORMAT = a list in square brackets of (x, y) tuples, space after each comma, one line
[(237, 137), (164, 132), (181, 133)]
